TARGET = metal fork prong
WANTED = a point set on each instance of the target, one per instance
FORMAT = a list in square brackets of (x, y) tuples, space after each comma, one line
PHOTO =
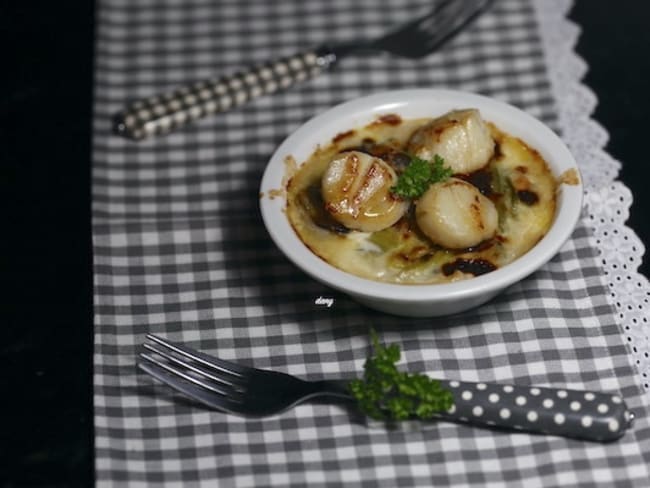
[(449, 14), (415, 27), (191, 390), (178, 372), (452, 21), (446, 17), (227, 381), (431, 31), (413, 24), (199, 357), (440, 10)]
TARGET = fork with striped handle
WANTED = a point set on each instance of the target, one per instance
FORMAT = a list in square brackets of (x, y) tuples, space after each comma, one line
[(161, 114), (237, 389)]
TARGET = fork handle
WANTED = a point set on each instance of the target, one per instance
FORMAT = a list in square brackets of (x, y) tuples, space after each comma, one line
[(593, 416), (161, 114), (569, 413)]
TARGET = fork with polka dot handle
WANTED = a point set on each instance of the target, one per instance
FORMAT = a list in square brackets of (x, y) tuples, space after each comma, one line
[(246, 391), (163, 113), (577, 414)]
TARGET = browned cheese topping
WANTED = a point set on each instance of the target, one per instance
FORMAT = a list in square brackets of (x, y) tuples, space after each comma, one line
[(498, 204)]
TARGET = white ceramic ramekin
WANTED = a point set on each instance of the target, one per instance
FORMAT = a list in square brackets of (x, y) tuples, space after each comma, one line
[(419, 300)]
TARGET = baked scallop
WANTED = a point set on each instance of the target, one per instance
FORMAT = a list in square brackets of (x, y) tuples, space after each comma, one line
[(455, 215), (356, 190), (460, 137)]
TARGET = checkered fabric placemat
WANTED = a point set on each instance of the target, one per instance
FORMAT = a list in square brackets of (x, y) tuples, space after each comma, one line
[(180, 250)]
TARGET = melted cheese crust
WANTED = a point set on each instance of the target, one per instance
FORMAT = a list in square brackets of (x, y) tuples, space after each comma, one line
[(519, 183)]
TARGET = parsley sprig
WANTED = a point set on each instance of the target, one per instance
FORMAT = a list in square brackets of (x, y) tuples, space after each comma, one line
[(419, 175), (385, 393)]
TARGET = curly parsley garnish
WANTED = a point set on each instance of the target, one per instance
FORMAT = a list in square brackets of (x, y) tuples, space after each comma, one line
[(419, 175), (385, 393)]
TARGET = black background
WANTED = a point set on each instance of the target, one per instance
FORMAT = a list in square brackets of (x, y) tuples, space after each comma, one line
[(46, 436)]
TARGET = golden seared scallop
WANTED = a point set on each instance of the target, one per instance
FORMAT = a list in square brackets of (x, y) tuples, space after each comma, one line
[(461, 138), (356, 191), (455, 215)]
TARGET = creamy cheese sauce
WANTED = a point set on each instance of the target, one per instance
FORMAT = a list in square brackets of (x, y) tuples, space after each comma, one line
[(516, 179)]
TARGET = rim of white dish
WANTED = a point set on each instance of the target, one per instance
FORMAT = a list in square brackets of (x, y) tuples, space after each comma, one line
[(414, 103)]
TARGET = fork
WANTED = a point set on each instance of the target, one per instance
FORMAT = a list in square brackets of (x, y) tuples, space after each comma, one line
[(236, 389), (163, 113)]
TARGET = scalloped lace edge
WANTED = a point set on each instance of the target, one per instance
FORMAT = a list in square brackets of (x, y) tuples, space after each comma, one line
[(607, 200)]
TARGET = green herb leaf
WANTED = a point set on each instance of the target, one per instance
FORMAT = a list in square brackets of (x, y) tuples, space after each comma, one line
[(385, 393), (419, 175)]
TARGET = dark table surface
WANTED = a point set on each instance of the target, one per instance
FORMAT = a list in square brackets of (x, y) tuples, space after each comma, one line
[(46, 319)]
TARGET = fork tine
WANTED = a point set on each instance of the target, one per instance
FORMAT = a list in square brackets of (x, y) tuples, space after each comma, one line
[(427, 33), (452, 21), (199, 357), (442, 15), (448, 13), (229, 382), (181, 373), (439, 7), (436, 12), (195, 392)]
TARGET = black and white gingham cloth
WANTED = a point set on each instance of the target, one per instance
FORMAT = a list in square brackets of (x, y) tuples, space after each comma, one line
[(180, 250)]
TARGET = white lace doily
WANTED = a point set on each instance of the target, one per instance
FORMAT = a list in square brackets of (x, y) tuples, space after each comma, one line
[(607, 200)]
